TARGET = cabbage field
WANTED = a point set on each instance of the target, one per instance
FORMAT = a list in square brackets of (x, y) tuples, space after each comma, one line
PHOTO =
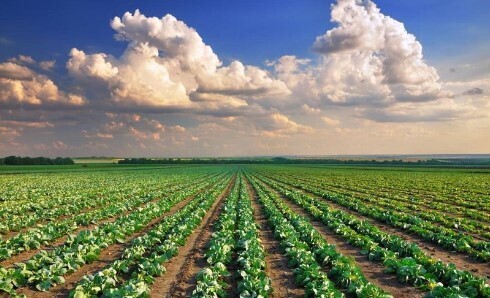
[(244, 231)]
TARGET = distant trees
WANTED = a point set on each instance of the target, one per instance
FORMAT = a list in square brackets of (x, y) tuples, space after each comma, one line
[(22, 161), (129, 161), (280, 160)]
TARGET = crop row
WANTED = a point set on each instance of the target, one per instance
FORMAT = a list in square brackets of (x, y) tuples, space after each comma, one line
[(460, 194), (236, 234), (34, 238), (412, 223), (65, 202), (432, 211), (405, 259), (308, 251), (210, 280), (47, 268), (134, 272)]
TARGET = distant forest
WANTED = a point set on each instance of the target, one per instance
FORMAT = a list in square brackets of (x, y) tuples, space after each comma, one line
[(283, 160), (29, 161)]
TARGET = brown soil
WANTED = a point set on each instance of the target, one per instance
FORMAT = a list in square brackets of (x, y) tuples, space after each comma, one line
[(107, 256), (462, 261), (282, 277), (179, 278)]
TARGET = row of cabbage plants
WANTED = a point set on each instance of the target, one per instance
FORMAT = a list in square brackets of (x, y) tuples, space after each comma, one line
[(442, 236), (133, 274), (47, 268), (318, 267), (403, 258)]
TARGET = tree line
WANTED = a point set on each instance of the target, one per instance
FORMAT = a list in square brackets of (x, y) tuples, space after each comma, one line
[(280, 160), (24, 161)]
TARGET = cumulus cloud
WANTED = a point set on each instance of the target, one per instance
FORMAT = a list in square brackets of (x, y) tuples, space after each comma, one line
[(238, 79), (167, 64), (81, 65), (179, 42), (367, 58), (11, 70), (136, 78), (297, 74), (20, 84), (217, 101)]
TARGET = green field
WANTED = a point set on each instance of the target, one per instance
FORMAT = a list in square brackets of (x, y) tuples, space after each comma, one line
[(108, 230)]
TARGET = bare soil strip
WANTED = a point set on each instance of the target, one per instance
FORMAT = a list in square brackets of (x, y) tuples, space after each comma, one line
[(373, 271), (179, 278), (282, 277), (107, 256), (462, 261)]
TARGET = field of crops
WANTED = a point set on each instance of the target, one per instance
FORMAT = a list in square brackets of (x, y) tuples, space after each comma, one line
[(244, 231)]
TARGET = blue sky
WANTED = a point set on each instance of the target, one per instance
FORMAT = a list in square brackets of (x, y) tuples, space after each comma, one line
[(48, 29), (76, 90)]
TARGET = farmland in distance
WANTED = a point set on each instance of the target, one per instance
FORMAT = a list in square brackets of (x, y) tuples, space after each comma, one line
[(244, 231)]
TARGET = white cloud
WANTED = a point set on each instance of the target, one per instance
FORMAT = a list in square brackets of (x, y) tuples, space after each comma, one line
[(167, 64), (238, 79), (20, 84), (180, 43), (297, 74), (80, 65), (135, 78), (367, 58)]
